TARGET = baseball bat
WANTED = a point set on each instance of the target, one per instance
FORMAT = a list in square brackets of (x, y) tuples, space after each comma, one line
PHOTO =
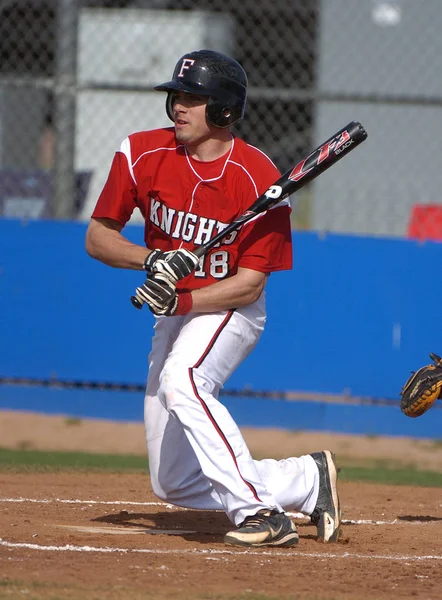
[(321, 159)]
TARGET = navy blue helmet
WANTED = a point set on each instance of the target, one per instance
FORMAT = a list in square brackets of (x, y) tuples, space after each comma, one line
[(212, 74)]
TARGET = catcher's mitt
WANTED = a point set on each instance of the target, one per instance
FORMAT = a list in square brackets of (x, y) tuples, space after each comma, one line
[(422, 389)]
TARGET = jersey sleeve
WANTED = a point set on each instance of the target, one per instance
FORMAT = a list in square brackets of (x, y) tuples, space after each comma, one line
[(266, 243), (117, 200)]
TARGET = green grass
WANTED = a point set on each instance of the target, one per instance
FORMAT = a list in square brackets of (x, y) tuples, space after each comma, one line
[(36, 460), (391, 475)]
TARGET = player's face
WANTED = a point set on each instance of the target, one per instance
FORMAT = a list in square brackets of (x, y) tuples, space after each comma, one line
[(189, 113)]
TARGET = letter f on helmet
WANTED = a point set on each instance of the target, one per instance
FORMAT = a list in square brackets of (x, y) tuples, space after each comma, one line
[(186, 64)]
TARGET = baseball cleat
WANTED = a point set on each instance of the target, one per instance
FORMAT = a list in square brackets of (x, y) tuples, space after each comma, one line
[(266, 528), (327, 513)]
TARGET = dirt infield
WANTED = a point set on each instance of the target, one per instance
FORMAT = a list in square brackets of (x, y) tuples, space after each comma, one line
[(106, 537), (102, 536)]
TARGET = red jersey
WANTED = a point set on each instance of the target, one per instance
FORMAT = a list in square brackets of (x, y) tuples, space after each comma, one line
[(186, 202)]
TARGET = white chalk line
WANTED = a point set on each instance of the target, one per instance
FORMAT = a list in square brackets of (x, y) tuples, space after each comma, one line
[(110, 502), (194, 552), (260, 552), (294, 515)]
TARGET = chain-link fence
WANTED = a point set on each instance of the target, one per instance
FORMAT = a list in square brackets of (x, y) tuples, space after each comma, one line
[(76, 77)]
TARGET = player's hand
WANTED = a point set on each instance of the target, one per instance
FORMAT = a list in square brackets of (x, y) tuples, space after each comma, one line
[(161, 297), (175, 264), (152, 258), (181, 304), (157, 292), (167, 311)]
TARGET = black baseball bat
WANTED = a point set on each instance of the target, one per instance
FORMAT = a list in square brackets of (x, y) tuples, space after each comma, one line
[(321, 159)]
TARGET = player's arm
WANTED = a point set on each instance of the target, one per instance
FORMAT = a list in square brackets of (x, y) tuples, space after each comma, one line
[(105, 243), (117, 201), (243, 288)]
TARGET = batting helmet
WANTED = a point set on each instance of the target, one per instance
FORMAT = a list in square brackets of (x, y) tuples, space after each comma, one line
[(209, 73)]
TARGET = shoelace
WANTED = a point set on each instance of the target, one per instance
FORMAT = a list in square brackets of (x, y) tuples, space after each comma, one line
[(259, 518)]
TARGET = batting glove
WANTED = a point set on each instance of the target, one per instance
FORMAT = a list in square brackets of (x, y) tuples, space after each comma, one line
[(175, 264), (157, 292), (181, 304), (150, 260), (161, 297)]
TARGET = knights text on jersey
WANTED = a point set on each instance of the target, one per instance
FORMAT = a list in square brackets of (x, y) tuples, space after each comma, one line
[(186, 202)]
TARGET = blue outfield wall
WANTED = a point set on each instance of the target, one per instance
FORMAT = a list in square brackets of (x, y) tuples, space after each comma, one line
[(247, 411), (354, 316)]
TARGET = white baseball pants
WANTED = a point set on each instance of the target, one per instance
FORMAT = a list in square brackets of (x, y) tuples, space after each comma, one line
[(197, 455)]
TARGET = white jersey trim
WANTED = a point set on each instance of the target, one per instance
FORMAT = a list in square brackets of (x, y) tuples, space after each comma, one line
[(222, 170), (248, 175), (125, 148)]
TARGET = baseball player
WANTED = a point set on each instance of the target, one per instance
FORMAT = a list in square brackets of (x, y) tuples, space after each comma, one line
[(189, 182)]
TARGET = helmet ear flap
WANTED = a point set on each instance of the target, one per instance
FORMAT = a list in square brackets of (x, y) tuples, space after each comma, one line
[(221, 116), (169, 104)]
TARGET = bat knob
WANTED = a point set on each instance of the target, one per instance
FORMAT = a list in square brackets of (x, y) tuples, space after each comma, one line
[(136, 302)]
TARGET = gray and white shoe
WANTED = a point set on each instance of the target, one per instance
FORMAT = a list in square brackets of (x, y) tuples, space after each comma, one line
[(266, 528), (327, 513)]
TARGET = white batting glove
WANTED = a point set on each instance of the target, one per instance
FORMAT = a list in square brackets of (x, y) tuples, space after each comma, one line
[(176, 264), (152, 258)]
